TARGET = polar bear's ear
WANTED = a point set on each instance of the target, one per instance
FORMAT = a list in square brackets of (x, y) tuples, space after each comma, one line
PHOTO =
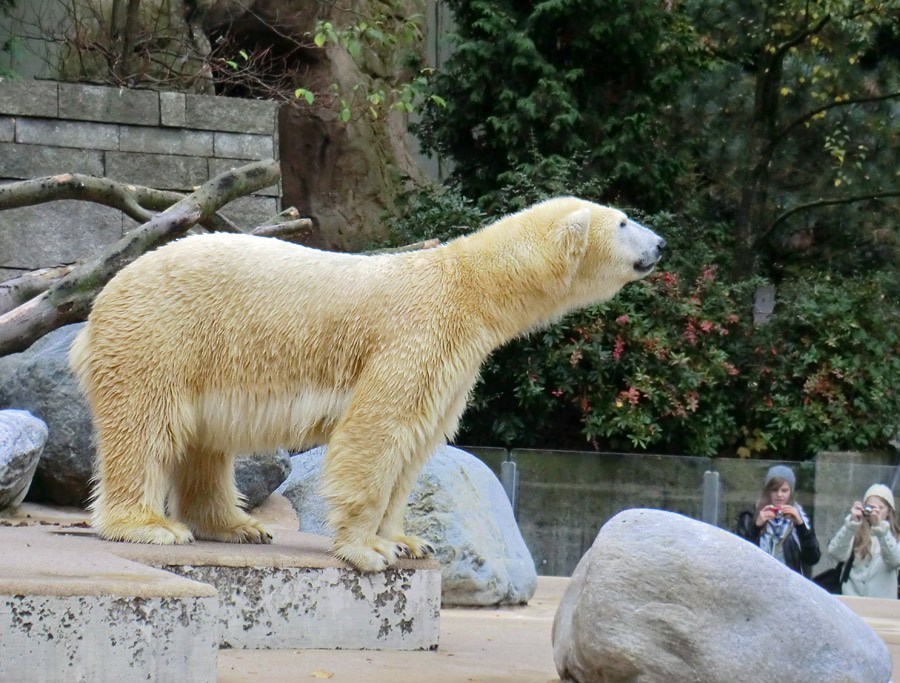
[(572, 234)]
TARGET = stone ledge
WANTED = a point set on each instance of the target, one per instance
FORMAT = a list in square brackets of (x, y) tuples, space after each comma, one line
[(69, 615), (290, 594)]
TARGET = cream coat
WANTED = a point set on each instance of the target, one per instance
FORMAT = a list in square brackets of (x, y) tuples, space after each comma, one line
[(221, 344), (876, 576)]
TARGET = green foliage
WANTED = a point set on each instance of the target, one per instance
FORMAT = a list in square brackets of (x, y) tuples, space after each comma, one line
[(10, 48), (544, 82), (674, 363), (647, 370), (823, 374), (798, 103)]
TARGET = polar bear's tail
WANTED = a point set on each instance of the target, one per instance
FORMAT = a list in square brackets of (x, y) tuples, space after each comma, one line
[(80, 357)]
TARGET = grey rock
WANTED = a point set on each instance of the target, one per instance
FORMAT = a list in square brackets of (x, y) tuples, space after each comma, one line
[(39, 380), (460, 507), (22, 439), (257, 476), (661, 597)]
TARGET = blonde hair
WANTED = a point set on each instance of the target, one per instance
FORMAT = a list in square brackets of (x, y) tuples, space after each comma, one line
[(862, 541)]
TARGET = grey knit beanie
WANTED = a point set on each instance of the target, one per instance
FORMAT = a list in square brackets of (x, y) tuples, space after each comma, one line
[(784, 472)]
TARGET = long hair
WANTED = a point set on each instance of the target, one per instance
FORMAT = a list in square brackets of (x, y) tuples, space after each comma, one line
[(862, 541), (765, 497)]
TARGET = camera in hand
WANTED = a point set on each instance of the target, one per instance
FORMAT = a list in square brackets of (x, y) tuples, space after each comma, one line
[(778, 513), (868, 510)]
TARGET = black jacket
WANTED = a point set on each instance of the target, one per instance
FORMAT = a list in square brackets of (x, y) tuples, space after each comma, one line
[(807, 553)]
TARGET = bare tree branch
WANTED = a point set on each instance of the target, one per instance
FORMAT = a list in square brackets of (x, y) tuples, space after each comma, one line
[(19, 290), (69, 300), (808, 116), (135, 201), (824, 202)]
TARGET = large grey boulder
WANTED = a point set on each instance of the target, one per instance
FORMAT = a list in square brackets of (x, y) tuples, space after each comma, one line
[(38, 380), (257, 476), (661, 597), (22, 439), (459, 505)]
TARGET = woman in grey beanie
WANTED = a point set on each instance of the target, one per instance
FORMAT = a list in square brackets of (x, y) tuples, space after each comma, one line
[(778, 524)]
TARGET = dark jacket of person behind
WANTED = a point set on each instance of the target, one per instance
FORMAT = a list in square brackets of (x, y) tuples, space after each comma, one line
[(778, 524)]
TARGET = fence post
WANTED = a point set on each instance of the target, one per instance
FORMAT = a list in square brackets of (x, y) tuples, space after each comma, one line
[(509, 477), (711, 497)]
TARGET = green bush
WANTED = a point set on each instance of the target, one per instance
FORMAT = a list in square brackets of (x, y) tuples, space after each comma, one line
[(674, 363), (823, 375)]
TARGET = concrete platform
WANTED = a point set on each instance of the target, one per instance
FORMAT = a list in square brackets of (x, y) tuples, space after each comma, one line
[(69, 615), (76, 608)]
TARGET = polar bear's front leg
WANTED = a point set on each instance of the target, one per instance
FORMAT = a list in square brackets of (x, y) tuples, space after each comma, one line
[(361, 469), (393, 524)]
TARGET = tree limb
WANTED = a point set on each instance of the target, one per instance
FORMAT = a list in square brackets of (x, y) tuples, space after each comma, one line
[(19, 290), (824, 202), (134, 201), (69, 300)]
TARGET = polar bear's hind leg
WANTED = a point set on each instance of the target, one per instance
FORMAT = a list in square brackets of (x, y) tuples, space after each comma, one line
[(206, 499)]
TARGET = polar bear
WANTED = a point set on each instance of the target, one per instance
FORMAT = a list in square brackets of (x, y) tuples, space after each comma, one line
[(221, 344)]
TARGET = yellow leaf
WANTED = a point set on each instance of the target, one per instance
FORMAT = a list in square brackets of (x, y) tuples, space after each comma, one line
[(743, 452), (318, 673), (785, 91), (837, 181)]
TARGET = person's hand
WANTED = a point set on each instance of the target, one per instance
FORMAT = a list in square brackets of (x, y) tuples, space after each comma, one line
[(767, 514), (856, 512), (791, 511)]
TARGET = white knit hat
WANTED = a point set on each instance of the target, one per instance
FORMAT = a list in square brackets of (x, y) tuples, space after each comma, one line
[(881, 491)]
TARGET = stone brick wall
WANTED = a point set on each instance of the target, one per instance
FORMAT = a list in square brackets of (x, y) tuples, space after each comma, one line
[(164, 140)]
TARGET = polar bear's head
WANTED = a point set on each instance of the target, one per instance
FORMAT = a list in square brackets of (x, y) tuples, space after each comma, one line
[(612, 250)]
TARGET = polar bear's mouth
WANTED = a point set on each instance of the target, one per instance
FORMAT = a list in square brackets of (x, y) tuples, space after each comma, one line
[(645, 265)]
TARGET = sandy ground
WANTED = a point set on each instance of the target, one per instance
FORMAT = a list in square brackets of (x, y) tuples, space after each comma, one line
[(508, 644)]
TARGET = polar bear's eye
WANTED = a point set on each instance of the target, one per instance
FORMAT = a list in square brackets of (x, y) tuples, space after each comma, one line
[(623, 223)]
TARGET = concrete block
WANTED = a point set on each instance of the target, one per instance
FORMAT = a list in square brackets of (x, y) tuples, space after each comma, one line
[(67, 133), (171, 109), (111, 105), (230, 114), (295, 594), (160, 171), (240, 146), (29, 98), (71, 615), (182, 141), (217, 166), (280, 608), (34, 161), (7, 128), (53, 233), (249, 212)]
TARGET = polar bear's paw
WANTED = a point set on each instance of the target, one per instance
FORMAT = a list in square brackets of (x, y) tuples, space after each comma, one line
[(160, 531), (415, 547), (375, 554), (243, 529)]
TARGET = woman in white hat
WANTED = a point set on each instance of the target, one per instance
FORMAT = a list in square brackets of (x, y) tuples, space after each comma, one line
[(869, 536)]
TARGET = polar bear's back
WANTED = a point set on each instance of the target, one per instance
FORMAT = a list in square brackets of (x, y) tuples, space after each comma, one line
[(219, 310)]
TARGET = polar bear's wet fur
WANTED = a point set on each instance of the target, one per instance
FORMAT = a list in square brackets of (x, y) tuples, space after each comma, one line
[(222, 344)]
